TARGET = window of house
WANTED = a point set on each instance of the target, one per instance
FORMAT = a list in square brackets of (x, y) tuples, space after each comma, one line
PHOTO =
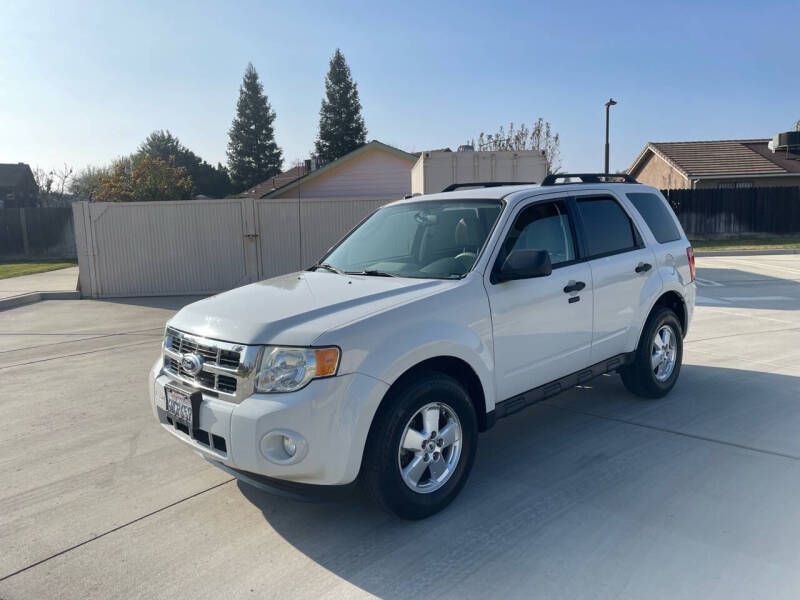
[(735, 185)]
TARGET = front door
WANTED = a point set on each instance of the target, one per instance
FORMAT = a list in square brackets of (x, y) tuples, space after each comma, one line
[(542, 326)]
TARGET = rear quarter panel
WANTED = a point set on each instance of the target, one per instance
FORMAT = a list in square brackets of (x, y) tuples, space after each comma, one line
[(671, 262)]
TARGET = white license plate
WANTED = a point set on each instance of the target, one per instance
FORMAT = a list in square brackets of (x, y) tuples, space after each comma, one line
[(179, 407)]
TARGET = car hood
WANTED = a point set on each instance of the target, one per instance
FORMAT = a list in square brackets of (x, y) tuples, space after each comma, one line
[(297, 308)]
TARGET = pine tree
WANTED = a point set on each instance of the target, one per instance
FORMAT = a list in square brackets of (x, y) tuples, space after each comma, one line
[(253, 155), (341, 126)]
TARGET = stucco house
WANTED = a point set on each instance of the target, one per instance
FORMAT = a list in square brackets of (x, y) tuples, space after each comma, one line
[(717, 164), (375, 171)]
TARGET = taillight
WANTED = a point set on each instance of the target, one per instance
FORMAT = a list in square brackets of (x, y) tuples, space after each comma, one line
[(690, 256)]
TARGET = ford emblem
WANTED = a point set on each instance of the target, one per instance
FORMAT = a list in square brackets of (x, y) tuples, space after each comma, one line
[(191, 364)]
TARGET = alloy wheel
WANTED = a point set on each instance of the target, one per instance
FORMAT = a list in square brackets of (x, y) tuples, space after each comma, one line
[(664, 353), (430, 448)]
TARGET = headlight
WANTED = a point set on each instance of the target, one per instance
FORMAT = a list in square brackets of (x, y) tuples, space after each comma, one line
[(284, 369)]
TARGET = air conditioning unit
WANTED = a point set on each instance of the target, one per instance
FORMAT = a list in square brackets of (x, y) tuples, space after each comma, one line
[(787, 141)]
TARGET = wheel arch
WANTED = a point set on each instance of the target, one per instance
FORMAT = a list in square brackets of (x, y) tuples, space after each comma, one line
[(454, 367), (676, 303)]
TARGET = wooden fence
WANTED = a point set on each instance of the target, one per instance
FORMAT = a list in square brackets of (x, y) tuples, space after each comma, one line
[(30, 233), (723, 211)]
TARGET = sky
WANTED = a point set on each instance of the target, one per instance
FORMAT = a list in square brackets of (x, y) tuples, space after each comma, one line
[(84, 82)]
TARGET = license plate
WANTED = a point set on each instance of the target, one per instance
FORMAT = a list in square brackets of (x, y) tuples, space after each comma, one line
[(179, 407)]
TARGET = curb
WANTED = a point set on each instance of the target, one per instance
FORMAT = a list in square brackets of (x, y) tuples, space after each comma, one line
[(33, 297), (701, 253)]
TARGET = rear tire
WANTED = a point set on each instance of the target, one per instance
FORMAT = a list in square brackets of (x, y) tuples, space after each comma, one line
[(658, 357), (421, 447)]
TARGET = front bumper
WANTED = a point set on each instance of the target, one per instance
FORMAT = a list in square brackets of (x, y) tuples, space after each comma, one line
[(332, 415)]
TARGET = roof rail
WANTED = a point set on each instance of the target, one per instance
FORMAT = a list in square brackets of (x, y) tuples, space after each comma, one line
[(588, 178), (455, 186)]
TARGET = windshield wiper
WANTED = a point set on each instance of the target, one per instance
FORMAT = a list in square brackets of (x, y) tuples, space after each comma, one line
[(372, 272), (329, 268)]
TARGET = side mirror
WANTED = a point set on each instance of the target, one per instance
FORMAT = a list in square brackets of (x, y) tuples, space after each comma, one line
[(525, 264)]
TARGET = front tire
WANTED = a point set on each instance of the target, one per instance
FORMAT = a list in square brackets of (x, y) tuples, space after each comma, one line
[(421, 447), (657, 360)]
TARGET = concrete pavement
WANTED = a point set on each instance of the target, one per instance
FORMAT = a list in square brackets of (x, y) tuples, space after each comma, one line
[(60, 284), (592, 494), (59, 280)]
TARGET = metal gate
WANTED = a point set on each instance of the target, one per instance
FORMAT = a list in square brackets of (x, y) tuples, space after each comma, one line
[(202, 247)]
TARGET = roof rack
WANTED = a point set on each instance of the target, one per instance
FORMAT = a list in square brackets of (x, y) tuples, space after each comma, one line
[(486, 184), (588, 178)]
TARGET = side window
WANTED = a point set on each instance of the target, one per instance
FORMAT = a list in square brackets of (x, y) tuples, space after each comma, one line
[(657, 215), (542, 226), (608, 228)]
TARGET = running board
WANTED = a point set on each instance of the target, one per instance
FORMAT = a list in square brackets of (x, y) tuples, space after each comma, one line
[(548, 390)]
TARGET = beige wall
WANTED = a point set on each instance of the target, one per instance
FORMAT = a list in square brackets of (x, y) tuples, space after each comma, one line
[(373, 174), (658, 173), (436, 170)]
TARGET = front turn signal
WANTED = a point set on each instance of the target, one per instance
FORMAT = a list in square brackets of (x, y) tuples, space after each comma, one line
[(327, 360)]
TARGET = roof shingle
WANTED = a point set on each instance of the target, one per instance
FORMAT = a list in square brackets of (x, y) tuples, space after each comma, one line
[(265, 187), (726, 157)]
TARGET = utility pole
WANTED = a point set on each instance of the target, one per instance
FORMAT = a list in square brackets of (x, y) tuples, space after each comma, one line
[(611, 102)]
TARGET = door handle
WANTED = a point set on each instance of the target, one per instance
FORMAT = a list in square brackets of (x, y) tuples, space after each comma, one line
[(574, 286), (643, 267)]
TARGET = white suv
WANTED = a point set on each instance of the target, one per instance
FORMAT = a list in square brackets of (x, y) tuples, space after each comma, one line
[(433, 318)]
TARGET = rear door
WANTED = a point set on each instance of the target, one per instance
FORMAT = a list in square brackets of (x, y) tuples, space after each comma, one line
[(541, 331), (621, 266), (669, 242)]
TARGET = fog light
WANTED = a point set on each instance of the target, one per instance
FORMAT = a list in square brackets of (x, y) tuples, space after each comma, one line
[(289, 446), (284, 447)]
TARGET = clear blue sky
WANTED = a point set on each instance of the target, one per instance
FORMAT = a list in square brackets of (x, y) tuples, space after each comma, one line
[(84, 82)]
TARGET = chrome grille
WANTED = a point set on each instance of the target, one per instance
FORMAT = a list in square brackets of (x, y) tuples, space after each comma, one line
[(227, 369), (183, 344)]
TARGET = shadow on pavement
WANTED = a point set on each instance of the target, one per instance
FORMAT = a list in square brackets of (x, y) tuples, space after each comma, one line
[(168, 302), (563, 494), (735, 288)]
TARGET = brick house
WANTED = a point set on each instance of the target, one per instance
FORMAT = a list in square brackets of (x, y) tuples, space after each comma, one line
[(717, 164)]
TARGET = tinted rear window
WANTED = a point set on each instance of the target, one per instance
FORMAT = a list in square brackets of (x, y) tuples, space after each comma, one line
[(657, 215), (608, 228)]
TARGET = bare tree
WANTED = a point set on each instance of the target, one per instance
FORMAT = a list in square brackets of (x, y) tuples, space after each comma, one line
[(538, 137), (53, 185)]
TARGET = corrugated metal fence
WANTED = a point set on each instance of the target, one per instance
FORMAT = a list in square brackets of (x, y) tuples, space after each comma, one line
[(203, 246), (737, 211)]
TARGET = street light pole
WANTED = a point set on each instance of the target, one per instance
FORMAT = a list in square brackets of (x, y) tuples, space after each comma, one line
[(611, 102)]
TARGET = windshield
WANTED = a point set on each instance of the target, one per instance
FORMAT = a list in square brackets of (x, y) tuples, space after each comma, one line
[(434, 239)]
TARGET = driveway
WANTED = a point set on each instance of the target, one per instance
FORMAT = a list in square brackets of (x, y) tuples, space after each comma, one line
[(59, 280), (594, 494)]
